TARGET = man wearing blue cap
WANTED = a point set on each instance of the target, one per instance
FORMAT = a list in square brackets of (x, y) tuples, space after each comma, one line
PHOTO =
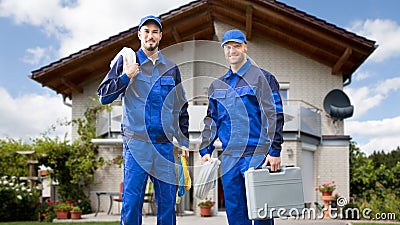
[(154, 112), (245, 113)]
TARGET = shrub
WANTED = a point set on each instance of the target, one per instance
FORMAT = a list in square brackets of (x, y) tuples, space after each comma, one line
[(45, 212), (18, 201), (386, 204), (73, 166), (351, 211), (373, 185)]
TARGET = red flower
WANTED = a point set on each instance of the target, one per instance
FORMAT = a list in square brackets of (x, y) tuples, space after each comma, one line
[(328, 186)]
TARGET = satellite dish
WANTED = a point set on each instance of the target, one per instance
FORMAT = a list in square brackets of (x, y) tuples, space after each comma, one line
[(337, 105)]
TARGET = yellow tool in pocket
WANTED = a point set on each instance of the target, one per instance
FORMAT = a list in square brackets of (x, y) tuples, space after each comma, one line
[(187, 179), (184, 180)]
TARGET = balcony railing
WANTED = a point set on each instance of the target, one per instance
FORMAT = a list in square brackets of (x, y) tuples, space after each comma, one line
[(108, 123), (302, 117)]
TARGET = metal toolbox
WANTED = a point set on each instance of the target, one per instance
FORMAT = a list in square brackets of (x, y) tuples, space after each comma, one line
[(274, 194)]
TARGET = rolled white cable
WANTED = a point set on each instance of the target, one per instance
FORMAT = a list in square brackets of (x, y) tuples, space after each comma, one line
[(127, 53), (207, 178)]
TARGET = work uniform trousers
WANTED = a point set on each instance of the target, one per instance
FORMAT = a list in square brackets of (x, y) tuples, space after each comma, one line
[(233, 169), (141, 161)]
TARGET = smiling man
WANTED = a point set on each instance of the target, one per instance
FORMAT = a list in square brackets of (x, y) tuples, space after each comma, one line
[(245, 113), (154, 112)]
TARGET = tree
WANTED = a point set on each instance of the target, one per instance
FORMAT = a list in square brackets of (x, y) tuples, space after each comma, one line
[(362, 172), (372, 183), (389, 159), (73, 165), (11, 163)]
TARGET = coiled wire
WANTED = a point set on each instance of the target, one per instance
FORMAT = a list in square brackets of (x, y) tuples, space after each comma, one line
[(207, 178)]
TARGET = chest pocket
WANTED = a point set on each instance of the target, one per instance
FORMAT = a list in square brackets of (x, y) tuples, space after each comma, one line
[(167, 83), (219, 94), (236, 99), (248, 95)]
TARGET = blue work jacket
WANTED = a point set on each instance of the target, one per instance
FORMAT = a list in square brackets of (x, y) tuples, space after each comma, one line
[(245, 112), (154, 103)]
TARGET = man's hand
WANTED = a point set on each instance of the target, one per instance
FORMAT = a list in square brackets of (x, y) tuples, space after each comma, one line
[(206, 158), (185, 151), (274, 162), (132, 69)]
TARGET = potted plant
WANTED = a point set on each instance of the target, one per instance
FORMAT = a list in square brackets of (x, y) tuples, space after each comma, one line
[(76, 213), (205, 207), (62, 210), (45, 211), (326, 188)]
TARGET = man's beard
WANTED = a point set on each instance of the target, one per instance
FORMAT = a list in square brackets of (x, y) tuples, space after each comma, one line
[(152, 48)]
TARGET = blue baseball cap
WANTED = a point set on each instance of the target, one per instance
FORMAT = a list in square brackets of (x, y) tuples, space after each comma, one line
[(234, 35), (147, 18)]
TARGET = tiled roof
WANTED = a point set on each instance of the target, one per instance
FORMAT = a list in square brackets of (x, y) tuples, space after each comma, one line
[(308, 35)]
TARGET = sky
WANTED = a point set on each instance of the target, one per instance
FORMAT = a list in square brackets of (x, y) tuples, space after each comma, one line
[(35, 33)]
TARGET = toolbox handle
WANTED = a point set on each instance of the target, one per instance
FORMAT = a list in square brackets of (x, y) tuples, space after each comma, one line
[(282, 170)]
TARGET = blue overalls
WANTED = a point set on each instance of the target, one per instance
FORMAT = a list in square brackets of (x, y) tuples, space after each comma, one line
[(154, 106), (245, 112)]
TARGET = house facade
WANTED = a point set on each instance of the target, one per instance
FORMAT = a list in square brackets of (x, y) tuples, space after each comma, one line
[(308, 56)]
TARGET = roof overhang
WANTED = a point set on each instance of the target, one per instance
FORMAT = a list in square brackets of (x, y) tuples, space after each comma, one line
[(325, 43)]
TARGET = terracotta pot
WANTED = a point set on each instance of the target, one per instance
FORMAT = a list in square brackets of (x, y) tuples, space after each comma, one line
[(326, 193), (43, 173), (62, 214), (205, 211), (76, 215)]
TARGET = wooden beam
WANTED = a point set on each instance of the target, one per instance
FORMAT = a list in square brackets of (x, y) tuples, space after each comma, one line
[(201, 32), (293, 25), (301, 46), (72, 85), (176, 35), (342, 60), (97, 72), (249, 21), (235, 18), (231, 21)]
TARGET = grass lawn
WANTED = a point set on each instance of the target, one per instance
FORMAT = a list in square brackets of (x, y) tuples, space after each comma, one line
[(356, 223), (74, 223)]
